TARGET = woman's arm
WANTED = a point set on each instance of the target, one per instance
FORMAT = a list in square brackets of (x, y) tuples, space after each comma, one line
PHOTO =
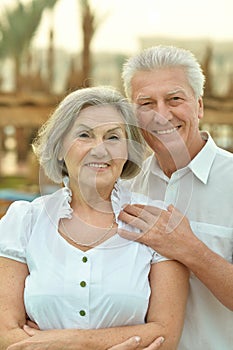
[(169, 284), (130, 344), (12, 311)]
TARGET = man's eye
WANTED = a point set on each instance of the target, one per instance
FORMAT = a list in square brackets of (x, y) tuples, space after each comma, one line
[(176, 99), (145, 106), (147, 103)]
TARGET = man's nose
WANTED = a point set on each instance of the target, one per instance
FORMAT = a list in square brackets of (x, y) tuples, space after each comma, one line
[(162, 113), (163, 117)]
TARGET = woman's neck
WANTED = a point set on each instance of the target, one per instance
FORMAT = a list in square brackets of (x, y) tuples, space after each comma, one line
[(90, 202)]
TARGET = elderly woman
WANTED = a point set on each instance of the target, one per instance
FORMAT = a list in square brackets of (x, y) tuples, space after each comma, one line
[(63, 264)]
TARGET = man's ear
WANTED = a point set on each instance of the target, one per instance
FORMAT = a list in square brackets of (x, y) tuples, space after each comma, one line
[(200, 108)]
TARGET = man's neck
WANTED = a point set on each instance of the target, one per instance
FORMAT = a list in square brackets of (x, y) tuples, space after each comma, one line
[(170, 162)]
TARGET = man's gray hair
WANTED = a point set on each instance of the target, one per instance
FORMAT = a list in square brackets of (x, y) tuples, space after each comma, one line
[(158, 57), (49, 142)]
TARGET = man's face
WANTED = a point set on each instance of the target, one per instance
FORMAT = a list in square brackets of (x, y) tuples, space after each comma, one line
[(167, 109)]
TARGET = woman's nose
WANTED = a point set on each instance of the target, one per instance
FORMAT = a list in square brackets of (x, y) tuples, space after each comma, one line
[(99, 149)]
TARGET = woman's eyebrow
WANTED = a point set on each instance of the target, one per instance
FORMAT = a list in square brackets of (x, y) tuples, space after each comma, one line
[(114, 129), (83, 126)]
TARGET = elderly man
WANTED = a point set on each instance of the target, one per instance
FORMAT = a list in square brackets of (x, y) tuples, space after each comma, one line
[(186, 170)]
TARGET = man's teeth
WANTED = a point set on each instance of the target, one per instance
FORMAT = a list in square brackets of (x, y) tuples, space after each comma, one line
[(169, 131), (98, 165)]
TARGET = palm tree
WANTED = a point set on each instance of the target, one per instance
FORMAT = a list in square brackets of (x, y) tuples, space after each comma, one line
[(17, 29), (88, 28), (89, 24)]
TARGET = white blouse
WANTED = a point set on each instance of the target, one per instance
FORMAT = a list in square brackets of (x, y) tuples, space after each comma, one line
[(105, 286)]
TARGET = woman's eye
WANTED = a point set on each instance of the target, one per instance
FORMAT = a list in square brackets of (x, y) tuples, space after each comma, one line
[(113, 137), (83, 135)]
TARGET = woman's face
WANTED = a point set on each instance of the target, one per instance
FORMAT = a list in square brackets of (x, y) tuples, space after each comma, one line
[(95, 149)]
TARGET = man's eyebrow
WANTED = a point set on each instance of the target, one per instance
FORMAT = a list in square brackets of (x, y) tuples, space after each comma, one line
[(141, 97), (175, 92)]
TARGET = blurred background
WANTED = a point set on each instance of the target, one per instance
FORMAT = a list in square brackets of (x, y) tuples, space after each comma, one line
[(51, 47)]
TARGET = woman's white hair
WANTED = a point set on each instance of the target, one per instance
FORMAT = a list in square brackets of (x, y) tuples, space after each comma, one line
[(158, 57), (49, 143)]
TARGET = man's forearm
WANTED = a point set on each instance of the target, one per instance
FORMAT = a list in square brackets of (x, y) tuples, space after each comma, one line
[(212, 270)]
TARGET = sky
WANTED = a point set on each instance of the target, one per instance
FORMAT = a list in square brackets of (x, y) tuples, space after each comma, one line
[(122, 22)]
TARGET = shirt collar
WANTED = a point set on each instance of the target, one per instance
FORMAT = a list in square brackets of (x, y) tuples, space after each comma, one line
[(200, 165)]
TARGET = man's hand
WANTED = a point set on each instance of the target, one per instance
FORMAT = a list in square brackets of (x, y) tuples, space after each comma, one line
[(134, 342), (166, 231)]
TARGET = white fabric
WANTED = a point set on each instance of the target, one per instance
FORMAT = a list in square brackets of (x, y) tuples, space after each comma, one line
[(204, 192), (116, 272)]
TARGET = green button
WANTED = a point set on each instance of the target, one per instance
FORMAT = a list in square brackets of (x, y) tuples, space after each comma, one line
[(84, 259), (82, 313), (83, 284)]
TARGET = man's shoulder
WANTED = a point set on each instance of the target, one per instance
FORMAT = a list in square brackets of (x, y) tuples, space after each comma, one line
[(224, 159), (224, 153)]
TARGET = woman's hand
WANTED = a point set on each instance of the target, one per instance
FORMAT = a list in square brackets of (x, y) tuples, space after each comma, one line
[(42, 340), (32, 324), (134, 342)]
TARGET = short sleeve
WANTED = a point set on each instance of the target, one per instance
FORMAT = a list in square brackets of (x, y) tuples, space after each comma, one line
[(158, 258), (15, 230)]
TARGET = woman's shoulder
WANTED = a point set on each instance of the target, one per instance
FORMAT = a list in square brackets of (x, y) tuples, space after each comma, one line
[(22, 209), (124, 195)]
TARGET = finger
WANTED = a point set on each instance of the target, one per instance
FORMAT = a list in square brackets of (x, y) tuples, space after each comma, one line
[(32, 324), (143, 211), (149, 208), (129, 344), (30, 331), (133, 221), (131, 236), (147, 214), (156, 344), (176, 218)]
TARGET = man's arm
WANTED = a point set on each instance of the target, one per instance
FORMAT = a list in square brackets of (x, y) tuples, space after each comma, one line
[(169, 233)]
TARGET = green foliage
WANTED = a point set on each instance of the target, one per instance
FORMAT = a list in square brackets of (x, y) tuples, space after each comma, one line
[(17, 182), (19, 24)]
